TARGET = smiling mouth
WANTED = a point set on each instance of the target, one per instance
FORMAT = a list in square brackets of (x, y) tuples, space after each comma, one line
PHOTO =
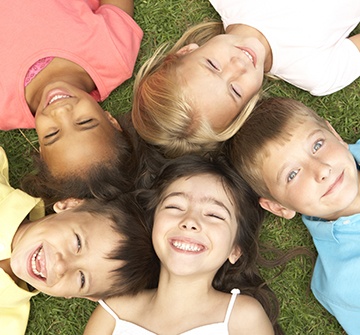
[(184, 246), (248, 55), (38, 263), (58, 97), (334, 184)]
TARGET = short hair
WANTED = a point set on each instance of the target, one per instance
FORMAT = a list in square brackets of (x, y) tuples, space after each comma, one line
[(244, 273), (273, 120), (161, 112), (102, 180), (141, 266)]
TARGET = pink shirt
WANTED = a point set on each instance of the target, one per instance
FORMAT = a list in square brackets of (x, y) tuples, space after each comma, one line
[(103, 40)]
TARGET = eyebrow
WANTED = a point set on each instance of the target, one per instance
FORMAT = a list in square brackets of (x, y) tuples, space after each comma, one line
[(205, 199)]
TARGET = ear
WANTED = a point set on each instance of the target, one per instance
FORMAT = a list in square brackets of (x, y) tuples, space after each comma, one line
[(66, 204), (334, 132), (235, 254), (113, 121), (187, 49), (276, 208)]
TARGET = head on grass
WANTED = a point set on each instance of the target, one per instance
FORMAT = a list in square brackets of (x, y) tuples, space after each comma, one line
[(178, 106), (295, 161), (89, 249)]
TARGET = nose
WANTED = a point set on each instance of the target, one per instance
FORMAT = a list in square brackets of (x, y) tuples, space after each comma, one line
[(190, 223), (61, 265), (322, 171)]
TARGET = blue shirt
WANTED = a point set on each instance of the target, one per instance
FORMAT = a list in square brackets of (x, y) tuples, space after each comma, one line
[(336, 278)]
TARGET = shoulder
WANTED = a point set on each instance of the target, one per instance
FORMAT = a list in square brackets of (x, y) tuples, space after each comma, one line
[(249, 317)]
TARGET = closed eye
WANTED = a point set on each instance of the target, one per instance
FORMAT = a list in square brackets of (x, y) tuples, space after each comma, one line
[(235, 91), (216, 216), (51, 134), (84, 122), (213, 65)]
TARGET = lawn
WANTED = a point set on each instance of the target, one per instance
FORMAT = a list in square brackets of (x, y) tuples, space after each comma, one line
[(164, 21)]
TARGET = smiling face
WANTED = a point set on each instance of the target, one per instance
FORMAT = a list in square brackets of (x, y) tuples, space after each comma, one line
[(313, 173), (65, 254), (195, 226), (222, 75), (73, 129)]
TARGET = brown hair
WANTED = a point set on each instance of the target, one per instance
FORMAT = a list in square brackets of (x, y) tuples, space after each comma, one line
[(273, 120)]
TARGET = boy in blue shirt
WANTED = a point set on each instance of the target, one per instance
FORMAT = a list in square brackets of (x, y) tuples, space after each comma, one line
[(296, 162)]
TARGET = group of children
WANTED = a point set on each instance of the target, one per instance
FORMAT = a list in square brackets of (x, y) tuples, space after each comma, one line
[(169, 243)]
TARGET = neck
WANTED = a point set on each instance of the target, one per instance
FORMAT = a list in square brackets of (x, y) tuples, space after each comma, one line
[(59, 69), (248, 31)]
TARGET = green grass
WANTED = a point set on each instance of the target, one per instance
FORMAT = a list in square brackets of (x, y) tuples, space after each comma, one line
[(164, 21)]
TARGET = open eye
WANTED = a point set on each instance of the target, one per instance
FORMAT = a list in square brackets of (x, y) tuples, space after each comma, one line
[(82, 279), (317, 145), (78, 242), (292, 175)]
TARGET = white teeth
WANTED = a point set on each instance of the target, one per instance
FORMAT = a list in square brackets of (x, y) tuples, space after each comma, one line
[(57, 97), (186, 246), (37, 255), (248, 56)]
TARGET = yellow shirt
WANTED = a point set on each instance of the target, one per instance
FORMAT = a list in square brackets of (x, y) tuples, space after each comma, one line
[(15, 205)]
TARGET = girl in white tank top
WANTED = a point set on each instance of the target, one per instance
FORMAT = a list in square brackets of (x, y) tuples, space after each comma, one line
[(205, 223)]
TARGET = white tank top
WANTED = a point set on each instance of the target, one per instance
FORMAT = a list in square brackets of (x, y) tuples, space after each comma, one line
[(123, 327)]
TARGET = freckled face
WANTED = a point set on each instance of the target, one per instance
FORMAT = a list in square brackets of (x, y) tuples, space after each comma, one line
[(65, 254), (313, 173)]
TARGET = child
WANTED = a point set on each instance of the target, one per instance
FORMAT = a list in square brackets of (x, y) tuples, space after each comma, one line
[(203, 89), (206, 223), (90, 249), (296, 162), (63, 62)]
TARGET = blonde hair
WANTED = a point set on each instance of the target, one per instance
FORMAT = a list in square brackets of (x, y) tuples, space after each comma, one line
[(273, 120), (163, 115)]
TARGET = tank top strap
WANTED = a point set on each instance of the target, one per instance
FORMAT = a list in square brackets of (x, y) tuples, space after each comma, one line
[(235, 292), (108, 309)]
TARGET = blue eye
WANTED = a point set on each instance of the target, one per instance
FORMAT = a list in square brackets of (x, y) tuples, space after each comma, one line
[(292, 175), (318, 145)]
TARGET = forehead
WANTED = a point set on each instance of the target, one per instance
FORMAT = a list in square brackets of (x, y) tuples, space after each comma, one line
[(201, 185)]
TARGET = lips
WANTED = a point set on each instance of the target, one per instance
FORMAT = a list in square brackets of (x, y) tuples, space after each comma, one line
[(186, 245), (249, 54), (335, 184), (38, 264), (56, 95)]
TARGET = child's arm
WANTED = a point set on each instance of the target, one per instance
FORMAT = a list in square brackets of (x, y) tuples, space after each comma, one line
[(356, 40), (100, 322), (126, 5)]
